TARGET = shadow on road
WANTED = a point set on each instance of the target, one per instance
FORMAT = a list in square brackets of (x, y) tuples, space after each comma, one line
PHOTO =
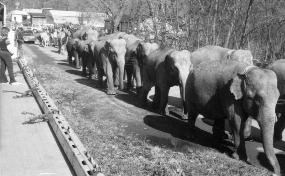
[(179, 129), (89, 82), (172, 101), (74, 72)]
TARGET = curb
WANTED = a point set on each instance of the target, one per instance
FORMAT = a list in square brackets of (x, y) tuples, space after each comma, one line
[(79, 158)]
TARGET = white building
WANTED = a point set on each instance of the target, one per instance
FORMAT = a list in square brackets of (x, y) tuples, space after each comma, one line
[(18, 16)]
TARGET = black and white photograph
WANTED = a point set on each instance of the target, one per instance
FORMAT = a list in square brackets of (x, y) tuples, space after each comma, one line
[(142, 88)]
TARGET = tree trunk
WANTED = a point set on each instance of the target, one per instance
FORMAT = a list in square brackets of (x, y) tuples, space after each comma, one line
[(245, 24), (232, 25), (214, 22)]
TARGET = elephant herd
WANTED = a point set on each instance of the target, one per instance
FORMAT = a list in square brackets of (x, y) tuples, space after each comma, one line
[(218, 83)]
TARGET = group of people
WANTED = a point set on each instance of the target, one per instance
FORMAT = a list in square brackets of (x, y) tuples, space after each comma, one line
[(6, 57)]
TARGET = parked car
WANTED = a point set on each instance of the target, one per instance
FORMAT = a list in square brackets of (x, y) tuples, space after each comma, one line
[(29, 36)]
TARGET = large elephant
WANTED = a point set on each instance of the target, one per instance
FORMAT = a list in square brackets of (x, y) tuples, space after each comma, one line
[(109, 57), (233, 90), (212, 52), (164, 68)]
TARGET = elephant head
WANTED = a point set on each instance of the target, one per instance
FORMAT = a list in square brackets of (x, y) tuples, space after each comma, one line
[(143, 50), (178, 66), (240, 55), (257, 89)]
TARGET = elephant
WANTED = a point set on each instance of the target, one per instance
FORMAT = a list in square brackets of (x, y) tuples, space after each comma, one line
[(212, 52), (279, 68), (234, 90), (165, 68), (109, 57), (82, 47)]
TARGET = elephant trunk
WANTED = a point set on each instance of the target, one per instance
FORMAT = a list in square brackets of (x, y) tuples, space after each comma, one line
[(266, 119), (76, 59), (183, 77)]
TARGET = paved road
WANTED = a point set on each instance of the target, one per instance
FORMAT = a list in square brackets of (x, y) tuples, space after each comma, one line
[(26, 149), (158, 128)]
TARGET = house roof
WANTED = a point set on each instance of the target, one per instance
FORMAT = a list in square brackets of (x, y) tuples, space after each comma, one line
[(64, 13), (33, 10), (37, 15), (18, 12)]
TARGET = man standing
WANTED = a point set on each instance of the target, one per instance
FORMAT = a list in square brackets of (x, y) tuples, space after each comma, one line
[(6, 60)]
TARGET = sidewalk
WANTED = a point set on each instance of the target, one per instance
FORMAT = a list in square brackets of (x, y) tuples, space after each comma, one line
[(26, 149)]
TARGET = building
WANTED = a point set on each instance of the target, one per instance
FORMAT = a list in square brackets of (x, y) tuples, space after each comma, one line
[(75, 17), (125, 24), (38, 18), (18, 16)]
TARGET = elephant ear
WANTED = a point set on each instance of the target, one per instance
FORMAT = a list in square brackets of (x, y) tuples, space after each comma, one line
[(236, 87)]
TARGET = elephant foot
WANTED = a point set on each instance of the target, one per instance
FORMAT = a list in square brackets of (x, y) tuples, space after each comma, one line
[(184, 117), (234, 155), (84, 74), (111, 92)]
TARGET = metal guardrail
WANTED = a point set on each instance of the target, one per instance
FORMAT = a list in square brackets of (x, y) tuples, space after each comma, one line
[(80, 159)]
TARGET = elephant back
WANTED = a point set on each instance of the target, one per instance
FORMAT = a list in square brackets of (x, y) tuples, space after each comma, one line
[(112, 36), (208, 53), (278, 67), (240, 55)]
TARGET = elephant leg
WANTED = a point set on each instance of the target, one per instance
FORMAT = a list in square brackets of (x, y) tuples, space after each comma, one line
[(237, 123), (129, 72), (69, 58), (90, 66), (137, 75), (84, 65), (76, 59), (116, 76), (156, 98), (247, 128), (144, 92), (192, 116), (218, 130), (163, 109), (279, 127), (120, 69)]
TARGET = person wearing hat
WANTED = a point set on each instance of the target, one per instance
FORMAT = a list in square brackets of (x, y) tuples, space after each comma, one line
[(6, 60)]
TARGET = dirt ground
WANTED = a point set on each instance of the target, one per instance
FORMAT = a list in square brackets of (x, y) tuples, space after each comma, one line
[(123, 137)]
